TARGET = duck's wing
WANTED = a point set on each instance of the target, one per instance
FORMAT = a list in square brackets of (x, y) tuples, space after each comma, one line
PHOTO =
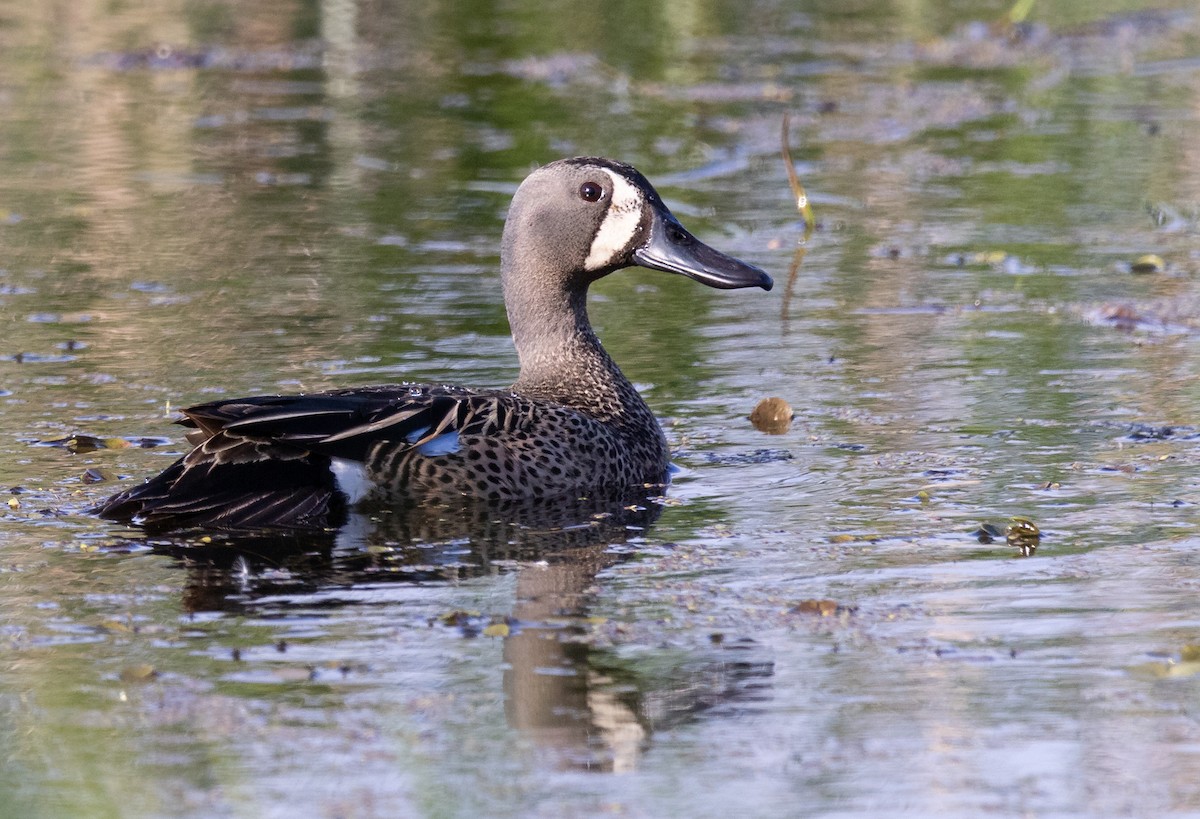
[(233, 483), (348, 423), (267, 461)]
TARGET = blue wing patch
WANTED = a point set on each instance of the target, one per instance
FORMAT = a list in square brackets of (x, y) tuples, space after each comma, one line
[(444, 444)]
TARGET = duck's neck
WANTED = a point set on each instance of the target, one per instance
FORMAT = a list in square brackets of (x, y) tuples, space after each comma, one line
[(562, 360)]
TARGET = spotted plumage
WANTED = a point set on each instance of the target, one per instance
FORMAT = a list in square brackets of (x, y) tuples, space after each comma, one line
[(571, 424)]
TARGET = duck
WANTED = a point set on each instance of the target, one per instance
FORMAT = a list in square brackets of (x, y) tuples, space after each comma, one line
[(570, 425)]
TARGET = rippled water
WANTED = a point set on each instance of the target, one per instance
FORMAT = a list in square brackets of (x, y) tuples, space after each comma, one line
[(210, 198)]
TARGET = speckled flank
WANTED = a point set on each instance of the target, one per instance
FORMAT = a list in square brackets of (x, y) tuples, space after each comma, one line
[(512, 447), (570, 425)]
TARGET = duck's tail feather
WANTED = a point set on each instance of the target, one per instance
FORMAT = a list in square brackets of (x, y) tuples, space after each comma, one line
[(298, 492)]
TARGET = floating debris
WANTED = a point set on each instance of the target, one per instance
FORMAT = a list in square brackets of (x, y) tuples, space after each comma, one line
[(96, 475), (982, 258), (1188, 665), (867, 537), (1152, 319), (457, 617), (80, 444), (988, 533), (772, 416), (1020, 532), (1138, 431), (469, 623), (823, 608), (1148, 263)]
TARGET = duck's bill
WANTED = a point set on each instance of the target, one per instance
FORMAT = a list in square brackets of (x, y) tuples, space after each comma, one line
[(673, 250)]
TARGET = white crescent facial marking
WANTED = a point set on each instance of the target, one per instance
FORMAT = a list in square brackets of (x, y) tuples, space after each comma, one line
[(620, 223)]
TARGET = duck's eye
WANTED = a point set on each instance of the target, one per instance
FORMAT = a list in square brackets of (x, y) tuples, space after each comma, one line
[(590, 192)]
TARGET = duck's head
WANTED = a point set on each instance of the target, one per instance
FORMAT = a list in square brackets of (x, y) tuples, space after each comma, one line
[(575, 220)]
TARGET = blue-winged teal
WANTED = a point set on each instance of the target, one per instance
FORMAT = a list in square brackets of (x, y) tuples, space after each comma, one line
[(571, 424)]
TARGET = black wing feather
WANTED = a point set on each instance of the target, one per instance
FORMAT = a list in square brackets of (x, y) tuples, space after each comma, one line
[(200, 490), (341, 424), (265, 461)]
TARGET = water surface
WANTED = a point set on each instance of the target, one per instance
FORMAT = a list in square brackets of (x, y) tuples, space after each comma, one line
[(201, 199)]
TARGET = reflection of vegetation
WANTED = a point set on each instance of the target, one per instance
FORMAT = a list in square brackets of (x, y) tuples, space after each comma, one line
[(804, 205)]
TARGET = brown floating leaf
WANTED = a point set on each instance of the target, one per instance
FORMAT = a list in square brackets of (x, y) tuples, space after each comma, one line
[(772, 416), (458, 617), (825, 608)]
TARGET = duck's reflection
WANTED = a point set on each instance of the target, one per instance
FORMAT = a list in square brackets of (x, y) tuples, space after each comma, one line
[(430, 542), (589, 706)]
